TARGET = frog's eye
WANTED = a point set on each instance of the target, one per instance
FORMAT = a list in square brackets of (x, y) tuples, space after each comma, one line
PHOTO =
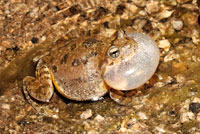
[(113, 52)]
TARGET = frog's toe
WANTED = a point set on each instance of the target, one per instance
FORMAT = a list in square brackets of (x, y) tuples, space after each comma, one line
[(121, 97), (38, 91)]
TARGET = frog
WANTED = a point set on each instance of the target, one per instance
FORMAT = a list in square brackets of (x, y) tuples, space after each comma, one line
[(87, 68)]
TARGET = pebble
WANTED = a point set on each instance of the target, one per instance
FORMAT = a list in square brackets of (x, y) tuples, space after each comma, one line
[(15, 1), (159, 84), (190, 18), (34, 40), (186, 117), (198, 117), (180, 78), (132, 8), (138, 127), (6, 44), (164, 14), (123, 130), (194, 107), (171, 56), (108, 32), (43, 38), (6, 106), (161, 130), (93, 132), (86, 114), (142, 116), (196, 100), (2, 49), (140, 3), (182, 1), (99, 118), (152, 6), (12, 132), (164, 44), (12, 98), (177, 24)]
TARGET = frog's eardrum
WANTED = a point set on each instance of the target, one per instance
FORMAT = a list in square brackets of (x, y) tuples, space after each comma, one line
[(137, 69)]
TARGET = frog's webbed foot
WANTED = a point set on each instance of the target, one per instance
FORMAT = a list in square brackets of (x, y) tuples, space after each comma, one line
[(122, 98), (39, 88)]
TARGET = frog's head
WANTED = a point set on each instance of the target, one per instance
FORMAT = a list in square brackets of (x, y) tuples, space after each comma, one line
[(130, 61)]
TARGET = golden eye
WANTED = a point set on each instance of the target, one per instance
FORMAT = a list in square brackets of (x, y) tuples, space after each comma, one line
[(113, 52)]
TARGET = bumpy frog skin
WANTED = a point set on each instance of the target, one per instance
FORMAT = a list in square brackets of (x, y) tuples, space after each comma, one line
[(85, 69)]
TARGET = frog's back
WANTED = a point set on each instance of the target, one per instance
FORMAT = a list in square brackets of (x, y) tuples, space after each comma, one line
[(75, 69)]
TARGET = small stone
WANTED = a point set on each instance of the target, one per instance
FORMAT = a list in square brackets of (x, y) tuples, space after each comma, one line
[(160, 130), (164, 44), (43, 38), (86, 114), (12, 98), (187, 116), (86, 125), (198, 117), (33, 117), (190, 18), (56, 8), (152, 6), (99, 118), (138, 127), (123, 130), (55, 116), (196, 100), (159, 84), (132, 8), (108, 32), (177, 24), (34, 12), (6, 106), (180, 78), (15, 1), (182, 1), (6, 44), (93, 132), (140, 3), (195, 36), (171, 56), (142, 116), (7, 11), (180, 66), (2, 49), (12, 131), (34, 40), (164, 14), (194, 107)]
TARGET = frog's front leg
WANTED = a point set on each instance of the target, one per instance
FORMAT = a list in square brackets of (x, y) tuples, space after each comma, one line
[(39, 88)]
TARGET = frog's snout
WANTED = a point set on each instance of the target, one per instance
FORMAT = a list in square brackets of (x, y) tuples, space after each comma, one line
[(135, 70)]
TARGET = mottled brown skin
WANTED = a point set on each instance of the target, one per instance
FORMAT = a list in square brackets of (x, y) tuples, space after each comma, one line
[(75, 69)]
